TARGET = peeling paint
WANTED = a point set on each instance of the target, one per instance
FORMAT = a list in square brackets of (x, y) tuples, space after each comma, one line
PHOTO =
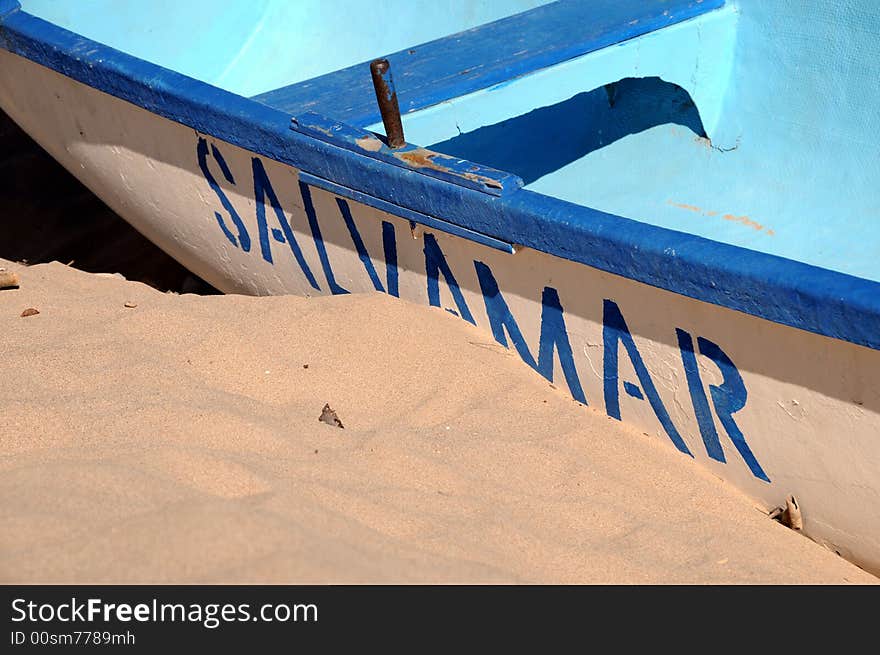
[(589, 360), (743, 220), (429, 162), (793, 408), (369, 143), (423, 158)]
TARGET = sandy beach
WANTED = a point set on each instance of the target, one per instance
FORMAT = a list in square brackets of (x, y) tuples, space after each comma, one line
[(155, 436), (152, 437)]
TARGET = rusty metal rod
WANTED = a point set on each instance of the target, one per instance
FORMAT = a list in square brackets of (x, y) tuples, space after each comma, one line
[(386, 96)]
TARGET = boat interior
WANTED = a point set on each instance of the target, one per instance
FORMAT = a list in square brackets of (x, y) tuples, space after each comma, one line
[(748, 122)]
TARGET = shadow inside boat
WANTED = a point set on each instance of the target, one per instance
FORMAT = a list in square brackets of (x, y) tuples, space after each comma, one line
[(544, 140)]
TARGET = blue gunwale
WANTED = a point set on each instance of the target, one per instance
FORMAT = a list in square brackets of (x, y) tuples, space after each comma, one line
[(413, 217), (8, 6), (451, 169), (484, 56), (780, 290)]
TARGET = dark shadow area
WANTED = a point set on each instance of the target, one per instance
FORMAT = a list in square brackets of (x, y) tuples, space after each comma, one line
[(46, 214), (546, 139)]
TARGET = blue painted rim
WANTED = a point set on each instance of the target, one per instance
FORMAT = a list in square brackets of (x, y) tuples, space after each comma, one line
[(415, 217), (784, 291), (457, 171), (8, 6)]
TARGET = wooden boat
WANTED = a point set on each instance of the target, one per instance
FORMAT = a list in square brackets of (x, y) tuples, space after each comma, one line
[(653, 202)]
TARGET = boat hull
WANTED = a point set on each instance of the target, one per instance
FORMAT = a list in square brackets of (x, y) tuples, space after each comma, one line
[(772, 409)]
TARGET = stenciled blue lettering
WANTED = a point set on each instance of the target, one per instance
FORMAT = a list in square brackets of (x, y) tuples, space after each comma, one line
[(698, 396), (389, 244), (435, 264), (358, 242), (615, 332), (728, 398), (262, 190), (554, 336), (244, 239), (309, 206)]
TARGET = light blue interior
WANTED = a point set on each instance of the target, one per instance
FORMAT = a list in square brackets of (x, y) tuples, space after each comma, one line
[(252, 46), (793, 165), (755, 124)]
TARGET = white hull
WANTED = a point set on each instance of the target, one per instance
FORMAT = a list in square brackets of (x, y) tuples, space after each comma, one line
[(809, 417)]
